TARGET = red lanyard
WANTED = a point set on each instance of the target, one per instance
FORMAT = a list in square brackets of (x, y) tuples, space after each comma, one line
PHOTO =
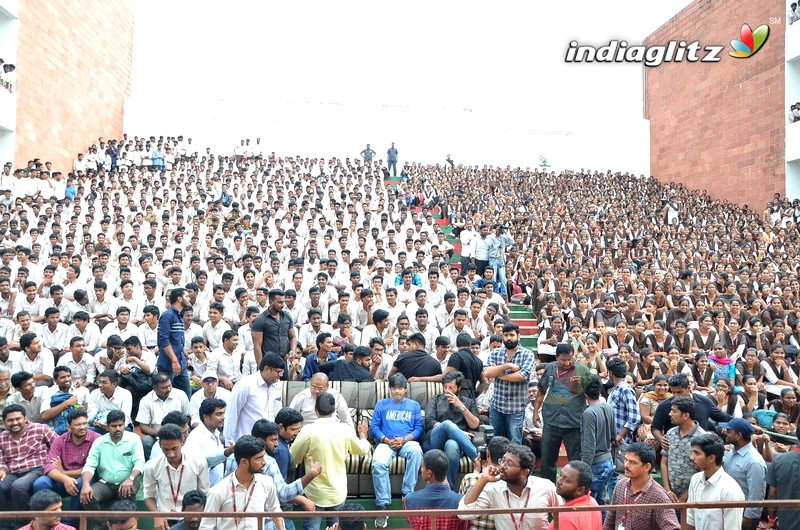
[(522, 516), (247, 501), (175, 492), (626, 513)]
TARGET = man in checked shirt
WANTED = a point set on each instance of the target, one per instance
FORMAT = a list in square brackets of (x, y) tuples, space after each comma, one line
[(23, 451)]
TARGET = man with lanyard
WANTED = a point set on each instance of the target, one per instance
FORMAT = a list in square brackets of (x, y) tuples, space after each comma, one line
[(639, 487), (561, 401), (511, 367), (171, 337), (165, 477), (246, 490), (497, 243), (512, 485)]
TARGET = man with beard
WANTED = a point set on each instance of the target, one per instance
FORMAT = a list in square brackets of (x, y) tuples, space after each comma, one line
[(194, 502), (246, 490), (511, 368), (356, 369), (574, 485), (512, 485), (205, 438)]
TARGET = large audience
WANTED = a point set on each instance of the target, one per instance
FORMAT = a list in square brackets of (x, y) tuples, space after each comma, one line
[(291, 268)]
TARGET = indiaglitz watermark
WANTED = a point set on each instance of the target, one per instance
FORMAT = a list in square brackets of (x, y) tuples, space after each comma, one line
[(618, 51)]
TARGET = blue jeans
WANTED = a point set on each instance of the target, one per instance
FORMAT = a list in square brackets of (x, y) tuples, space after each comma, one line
[(381, 459), (46, 483), (507, 425), (455, 443), (312, 523), (500, 275), (602, 477), (181, 382)]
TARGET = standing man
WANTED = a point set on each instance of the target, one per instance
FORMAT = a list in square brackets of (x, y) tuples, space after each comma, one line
[(368, 154), (397, 427), (391, 158), (574, 487), (329, 442), (747, 467), (481, 250), (782, 479), (24, 448), (246, 490), (511, 368), (468, 238), (512, 486), (677, 469), (255, 397), (205, 438), (622, 399), (639, 487), (171, 338), (273, 330), (561, 401), (597, 432), (712, 484)]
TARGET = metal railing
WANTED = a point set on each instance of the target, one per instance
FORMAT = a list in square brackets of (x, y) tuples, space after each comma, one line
[(83, 516)]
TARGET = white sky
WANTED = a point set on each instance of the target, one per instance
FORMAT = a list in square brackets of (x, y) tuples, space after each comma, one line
[(436, 77)]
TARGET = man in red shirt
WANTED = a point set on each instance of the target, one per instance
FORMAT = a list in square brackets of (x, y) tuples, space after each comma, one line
[(46, 501), (23, 452), (574, 485)]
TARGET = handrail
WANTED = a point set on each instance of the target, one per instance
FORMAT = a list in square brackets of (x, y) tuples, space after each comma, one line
[(83, 516)]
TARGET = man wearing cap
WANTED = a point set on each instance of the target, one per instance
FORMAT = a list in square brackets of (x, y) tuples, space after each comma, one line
[(210, 389), (747, 467)]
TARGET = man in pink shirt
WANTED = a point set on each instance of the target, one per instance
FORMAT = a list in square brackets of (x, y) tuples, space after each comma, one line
[(574, 486)]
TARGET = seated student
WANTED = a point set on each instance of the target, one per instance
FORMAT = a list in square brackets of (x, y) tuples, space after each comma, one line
[(27, 395), (46, 501), (106, 397), (437, 494), (155, 405), (417, 362), (193, 505), (448, 419)]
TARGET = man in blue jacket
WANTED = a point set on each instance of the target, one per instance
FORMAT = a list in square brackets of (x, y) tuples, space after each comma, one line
[(396, 425)]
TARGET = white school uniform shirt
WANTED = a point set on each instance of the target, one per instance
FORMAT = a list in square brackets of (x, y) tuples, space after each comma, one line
[(261, 496), (161, 479)]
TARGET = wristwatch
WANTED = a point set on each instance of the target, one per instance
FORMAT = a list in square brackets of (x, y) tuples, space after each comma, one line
[(132, 478), (462, 408)]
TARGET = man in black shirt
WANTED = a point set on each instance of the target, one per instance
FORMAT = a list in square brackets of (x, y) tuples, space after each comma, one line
[(467, 363), (273, 330), (417, 363), (704, 409), (355, 370)]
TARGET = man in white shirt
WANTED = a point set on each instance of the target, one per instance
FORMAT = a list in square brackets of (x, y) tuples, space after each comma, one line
[(247, 490), (226, 360), (712, 484), (82, 365), (34, 360), (305, 401), (165, 478), (512, 485), (255, 397), (205, 438), (155, 405), (108, 396)]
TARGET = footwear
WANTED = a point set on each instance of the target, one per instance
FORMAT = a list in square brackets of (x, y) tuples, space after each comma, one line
[(382, 521)]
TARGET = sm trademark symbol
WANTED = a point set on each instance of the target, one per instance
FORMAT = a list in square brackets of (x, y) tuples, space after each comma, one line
[(775, 20)]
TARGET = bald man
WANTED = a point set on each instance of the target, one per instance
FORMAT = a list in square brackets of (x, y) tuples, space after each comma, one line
[(305, 401)]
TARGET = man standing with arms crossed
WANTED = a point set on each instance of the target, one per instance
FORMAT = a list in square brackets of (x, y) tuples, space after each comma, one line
[(171, 336)]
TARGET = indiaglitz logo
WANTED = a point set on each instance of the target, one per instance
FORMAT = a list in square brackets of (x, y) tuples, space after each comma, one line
[(751, 41), (674, 51)]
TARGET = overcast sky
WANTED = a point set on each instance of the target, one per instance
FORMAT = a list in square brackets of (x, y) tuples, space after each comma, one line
[(453, 66)]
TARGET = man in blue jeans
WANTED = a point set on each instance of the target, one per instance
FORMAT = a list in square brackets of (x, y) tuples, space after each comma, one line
[(448, 420), (171, 336), (597, 431), (511, 367), (70, 451), (396, 425)]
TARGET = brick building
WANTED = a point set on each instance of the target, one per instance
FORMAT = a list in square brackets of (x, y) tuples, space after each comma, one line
[(73, 75), (720, 126)]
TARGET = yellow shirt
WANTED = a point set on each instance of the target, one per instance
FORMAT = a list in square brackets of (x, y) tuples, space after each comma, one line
[(329, 442)]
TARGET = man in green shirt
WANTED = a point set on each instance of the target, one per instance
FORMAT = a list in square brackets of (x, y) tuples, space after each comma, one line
[(118, 460)]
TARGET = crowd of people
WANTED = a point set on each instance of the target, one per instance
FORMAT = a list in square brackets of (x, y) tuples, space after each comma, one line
[(155, 297)]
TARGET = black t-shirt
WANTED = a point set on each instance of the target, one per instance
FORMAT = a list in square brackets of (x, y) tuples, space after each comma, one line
[(346, 371), (417, 363), (468, 364)]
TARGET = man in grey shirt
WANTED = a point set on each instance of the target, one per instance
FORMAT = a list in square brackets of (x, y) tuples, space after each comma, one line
[(391, 158), (597, 431), (746, 466)]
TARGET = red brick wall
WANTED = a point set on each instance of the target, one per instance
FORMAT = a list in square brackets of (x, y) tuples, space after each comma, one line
[(720, 126), (73, 74)]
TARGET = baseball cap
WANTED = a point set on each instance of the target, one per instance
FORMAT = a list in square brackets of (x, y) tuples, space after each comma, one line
[(379, 264), (210, 374), (739, 425)]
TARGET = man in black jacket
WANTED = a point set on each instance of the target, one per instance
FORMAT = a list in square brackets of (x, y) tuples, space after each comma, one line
[(704, 409)]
